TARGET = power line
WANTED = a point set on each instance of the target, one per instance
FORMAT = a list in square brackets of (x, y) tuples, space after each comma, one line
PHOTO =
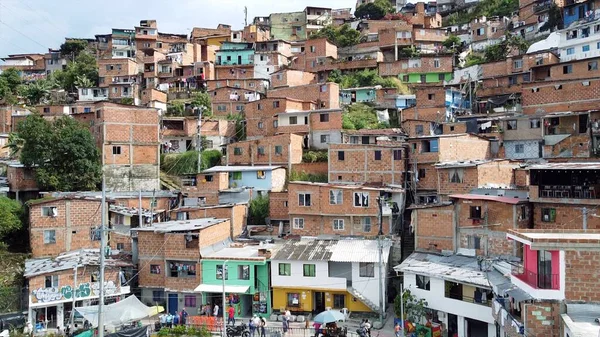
[(23, 34), (50, 22)]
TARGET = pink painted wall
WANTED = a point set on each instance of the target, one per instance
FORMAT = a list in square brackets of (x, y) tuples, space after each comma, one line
[(530, 259), (555, 269)]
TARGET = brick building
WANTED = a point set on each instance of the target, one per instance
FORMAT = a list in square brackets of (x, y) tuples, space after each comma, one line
[(325, 96), (463, 176), (236, 213), (128, 138), (231, 100), (261, 115), (22, 184), (285, 149), (342, 209), (169, 257)]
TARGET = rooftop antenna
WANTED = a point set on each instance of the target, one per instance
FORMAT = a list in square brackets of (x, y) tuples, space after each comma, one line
[(245, 16)]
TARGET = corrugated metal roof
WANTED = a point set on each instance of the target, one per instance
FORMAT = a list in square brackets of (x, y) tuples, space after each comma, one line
[(466, 163), (506, 200), (240, 169), (347, 250), (567, 166), (66, 261), (180, 225)]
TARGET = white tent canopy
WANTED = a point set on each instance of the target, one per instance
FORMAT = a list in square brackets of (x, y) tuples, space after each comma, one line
[(116, 314)]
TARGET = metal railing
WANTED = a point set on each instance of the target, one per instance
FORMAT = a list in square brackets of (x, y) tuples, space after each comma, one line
[(539, 281), (271, 331)]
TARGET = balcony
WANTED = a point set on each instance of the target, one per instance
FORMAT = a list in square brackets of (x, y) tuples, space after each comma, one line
[(542, 6), (576, 192), (535, 280)]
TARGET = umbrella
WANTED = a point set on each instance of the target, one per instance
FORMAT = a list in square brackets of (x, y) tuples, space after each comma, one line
[(329, 316), (155, 310)]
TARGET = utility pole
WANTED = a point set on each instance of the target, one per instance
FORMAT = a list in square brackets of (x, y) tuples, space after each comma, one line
[(223, 303), (140, 222), (102, 252), (199, 139), (245, 16), (75, 287), (402, 310), (380, 248)]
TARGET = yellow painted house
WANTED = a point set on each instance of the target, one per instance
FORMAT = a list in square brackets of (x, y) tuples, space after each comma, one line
[(312, 275)]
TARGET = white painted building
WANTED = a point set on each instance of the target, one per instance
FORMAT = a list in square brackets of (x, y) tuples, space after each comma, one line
[(270, 56), (92, 94), (329, 274), (302, 122), (581, 40), (455, 288)]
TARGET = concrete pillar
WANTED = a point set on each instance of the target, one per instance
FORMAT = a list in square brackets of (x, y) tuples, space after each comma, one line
[(491, 330), (462, 326), (60, 315)]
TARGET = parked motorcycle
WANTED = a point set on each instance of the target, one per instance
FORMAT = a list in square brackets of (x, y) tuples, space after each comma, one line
[(238, 331)]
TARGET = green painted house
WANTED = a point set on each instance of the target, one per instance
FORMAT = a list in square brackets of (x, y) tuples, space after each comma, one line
[(235, 53), (247, 286), (425, 77)]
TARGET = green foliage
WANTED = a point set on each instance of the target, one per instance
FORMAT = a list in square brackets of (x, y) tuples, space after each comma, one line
[(554, 19), (83, 70), (473, 59), (202, 100), (374, 10), (240, 126), (305, 176), (363, 78), (63, 152), (486, 8), (127, 100), (72, 48), (11, 212), (259, 210), (452, 43), (181, 330), (186, 163), (341, 36), (10, 81), (361, 116), (409, 52), (511, 44), (176, 109), (414, 308), (37, 92), (14, 144), (315, 156)]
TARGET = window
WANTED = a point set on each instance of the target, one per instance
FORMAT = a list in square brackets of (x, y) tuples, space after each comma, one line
[(244, 272), (51, 281), (208, 178), (511, 125), (260, 150), (190, 301), (239, 108), (298, 223), (46, 109), (304, 199), (512, 80), (341, 155), (397, 154), (323, 118), (456, 175), (154, 269), (377, 154), (236, 175), (361, 199), (548, 214), (237, 151), (570, 51), (309, 270), (474, 242), (260, 175), (366, 269), (585, 48), (419, 130), (338, 224), (568, 69), (221, 107), (436, 63), (275, 124), (313, 49), (429, 146), (120, 246), (339, 300), (275, 104), (519, 148), (431, 97), (293, 120), (534, 123), (158, 296), (285, 269), (259, 106), (366, 224), (423, 282), (219, 274), (422, 173), (475, 212), (336, 197), (518, 64), (592, 65), (293, 300), (278, 150), (526, 77), (182, 269), (116, 150), (49, 211), (324, 139)]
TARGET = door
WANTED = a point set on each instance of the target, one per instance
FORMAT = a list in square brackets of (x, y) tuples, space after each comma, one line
[(544, 270), (173, 300), (239, 59), (319, 301), (583, 123)]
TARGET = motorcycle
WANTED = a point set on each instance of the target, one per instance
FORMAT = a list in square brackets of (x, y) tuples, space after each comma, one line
[(238, 331)]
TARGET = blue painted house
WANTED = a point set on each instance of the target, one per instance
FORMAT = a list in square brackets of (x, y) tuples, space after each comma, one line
[(358, 95), (232, 53), (260, 178), (574, 11)]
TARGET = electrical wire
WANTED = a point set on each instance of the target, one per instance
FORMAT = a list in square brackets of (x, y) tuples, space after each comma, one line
[(22, 34)]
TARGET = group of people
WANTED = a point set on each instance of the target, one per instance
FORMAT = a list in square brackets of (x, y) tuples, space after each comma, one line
[(365, 328), (257, 325), (169, 319)]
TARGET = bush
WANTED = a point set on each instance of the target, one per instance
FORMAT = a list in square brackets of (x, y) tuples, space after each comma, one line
[(315, 157), (259, 210), (187, 163), (312, 177)]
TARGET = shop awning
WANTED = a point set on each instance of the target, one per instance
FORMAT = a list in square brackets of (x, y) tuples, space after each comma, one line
[(217, 288)]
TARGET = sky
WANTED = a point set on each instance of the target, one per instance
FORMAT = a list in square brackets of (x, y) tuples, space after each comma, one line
[(33, 26)]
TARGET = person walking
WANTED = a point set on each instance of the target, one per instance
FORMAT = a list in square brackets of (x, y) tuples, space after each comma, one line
[(216, 310), (397, 329), (263, 324), (231, 316), (184, 315), (251, 326), (256, 322), (368, 327)]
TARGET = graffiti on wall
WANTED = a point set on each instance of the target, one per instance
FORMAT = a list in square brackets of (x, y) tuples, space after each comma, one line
[(52, 294)]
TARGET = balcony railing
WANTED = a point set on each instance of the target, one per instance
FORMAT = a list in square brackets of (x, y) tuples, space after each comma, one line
[(565, 191), (542, 6), (535, 280), (468, 299)]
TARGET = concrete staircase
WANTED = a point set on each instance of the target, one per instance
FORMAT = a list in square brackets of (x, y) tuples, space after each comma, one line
[(363, 299)]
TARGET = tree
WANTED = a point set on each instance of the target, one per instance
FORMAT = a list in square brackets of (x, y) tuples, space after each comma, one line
[(240, 126), (363, 78), (202, 100), (72, 48), (10, 82), (259, 210), (176, 109), (11, 222), (127, 101), (554, 19), (374, 10), (342, 36), (361, 116), (511, 44), (14, 144), (83, 82), (452, 43), (84, 66), (63, 152), (37, 92), (414, 308)]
